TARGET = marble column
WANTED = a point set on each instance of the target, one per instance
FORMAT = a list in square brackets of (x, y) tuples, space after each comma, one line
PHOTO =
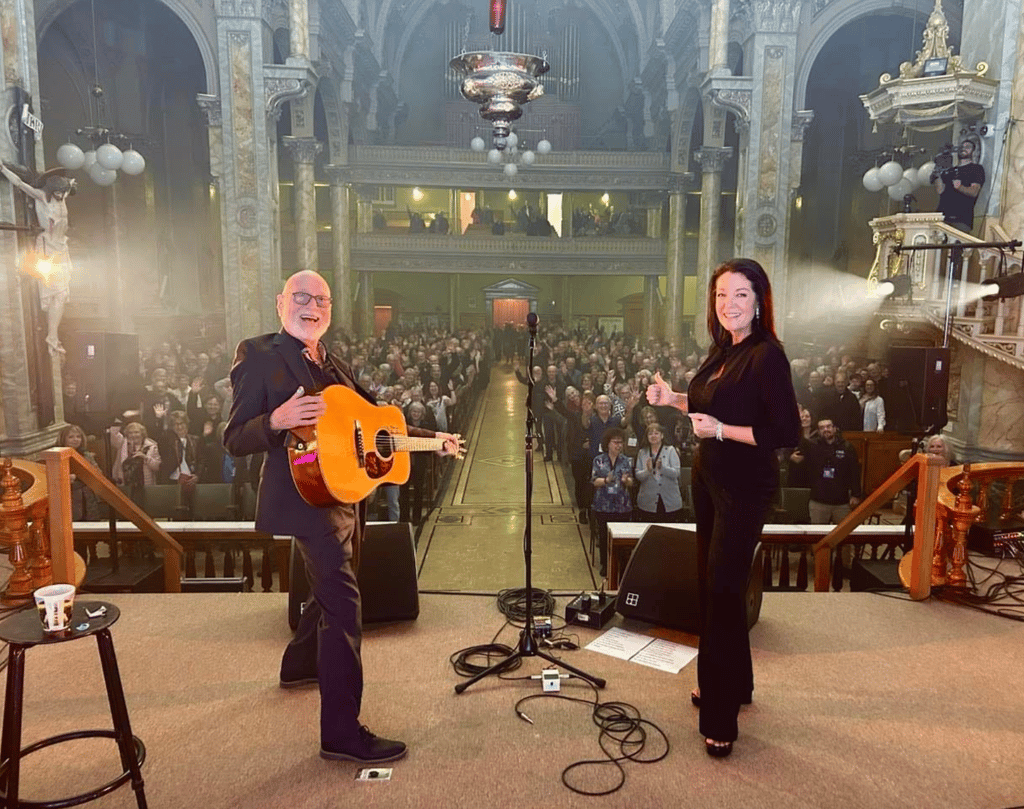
[(712, 160), (674, 267), (648, 329), (764, 197), (341, 317), (1012, 200), (567, 313), (365, 300), (298, 29), (303, 152), (247, 217), (453, 300), (718, 41), (20, 411)]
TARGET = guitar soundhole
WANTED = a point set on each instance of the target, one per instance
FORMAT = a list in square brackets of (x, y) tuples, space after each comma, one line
[(380, 461)]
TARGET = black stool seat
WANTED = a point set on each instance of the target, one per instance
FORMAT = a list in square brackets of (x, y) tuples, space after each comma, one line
[(24, 630)]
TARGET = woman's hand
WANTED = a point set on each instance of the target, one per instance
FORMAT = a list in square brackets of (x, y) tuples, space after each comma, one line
[(704, 426), (659, 392)]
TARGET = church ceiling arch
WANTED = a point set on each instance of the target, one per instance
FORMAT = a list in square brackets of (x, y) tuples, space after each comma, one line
[(629, 33), (50, 12), (840, 13)]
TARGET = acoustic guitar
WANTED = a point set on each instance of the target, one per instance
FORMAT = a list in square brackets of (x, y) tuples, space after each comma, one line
[(354, 447)]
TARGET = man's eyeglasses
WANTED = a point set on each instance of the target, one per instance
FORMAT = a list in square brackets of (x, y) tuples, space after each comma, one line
[(302, 298)]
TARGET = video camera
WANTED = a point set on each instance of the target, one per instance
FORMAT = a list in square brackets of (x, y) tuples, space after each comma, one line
[(944, 161)]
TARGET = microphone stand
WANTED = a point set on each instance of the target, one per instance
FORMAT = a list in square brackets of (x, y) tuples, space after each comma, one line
[(528, 646)]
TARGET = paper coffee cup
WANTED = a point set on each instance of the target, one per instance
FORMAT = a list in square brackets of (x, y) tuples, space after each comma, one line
[(55, 603)]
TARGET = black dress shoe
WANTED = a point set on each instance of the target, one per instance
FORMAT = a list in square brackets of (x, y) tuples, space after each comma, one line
[(717, 749), (289, 682), (366, 749)]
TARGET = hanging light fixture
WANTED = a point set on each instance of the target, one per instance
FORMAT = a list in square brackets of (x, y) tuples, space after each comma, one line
[(108, 154)]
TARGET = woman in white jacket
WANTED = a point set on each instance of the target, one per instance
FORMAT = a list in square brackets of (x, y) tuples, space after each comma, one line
[(657, 469)]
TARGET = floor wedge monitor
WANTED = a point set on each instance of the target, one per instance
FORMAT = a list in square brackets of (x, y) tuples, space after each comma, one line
[(660, 584)]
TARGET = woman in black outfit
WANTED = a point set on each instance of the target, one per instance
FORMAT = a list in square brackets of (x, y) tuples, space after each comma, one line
[(742, 407)]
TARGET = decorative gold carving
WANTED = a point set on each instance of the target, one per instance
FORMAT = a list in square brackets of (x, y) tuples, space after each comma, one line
[(22, 529)]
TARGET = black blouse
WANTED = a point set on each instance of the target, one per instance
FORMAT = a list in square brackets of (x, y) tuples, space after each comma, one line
[(755, 389)]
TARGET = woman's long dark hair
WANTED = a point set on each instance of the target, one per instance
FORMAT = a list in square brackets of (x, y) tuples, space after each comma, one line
[(764, 318)]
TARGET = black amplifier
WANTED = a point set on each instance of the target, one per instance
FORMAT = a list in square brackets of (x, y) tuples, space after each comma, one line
[(1002, 540)]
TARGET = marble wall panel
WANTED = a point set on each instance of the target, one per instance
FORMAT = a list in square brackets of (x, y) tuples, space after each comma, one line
[(1001, 415), (770, 114), (243, 113), (1013, 211)]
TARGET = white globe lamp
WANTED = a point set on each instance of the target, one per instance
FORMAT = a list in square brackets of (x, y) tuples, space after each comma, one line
[(133, 163), (872, 182), (70, 156), (477, 144), (890, 173), (543, 147), (109, 156)]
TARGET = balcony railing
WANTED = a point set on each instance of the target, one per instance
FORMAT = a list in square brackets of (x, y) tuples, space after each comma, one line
[(995, 328)]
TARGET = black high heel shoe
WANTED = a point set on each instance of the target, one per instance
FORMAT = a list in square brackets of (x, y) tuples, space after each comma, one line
[(695, 698), (717, 749)]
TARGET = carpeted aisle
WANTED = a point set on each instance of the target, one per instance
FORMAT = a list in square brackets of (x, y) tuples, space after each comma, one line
[(861, 701)]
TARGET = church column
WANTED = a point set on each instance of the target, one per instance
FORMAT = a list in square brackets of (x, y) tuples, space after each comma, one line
[(674, 262), (341, 238), (20, 411), (718, 41), (303, 152), (711, 159), (298, 29), (567, 313), (648, 329), (765, 181), (453, 300), (365, 300)]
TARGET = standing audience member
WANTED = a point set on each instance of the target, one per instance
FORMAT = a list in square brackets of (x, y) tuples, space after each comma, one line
[(873, 406), (833, 470), (743, 408), (657, 469), (612, 475), (84, 503), (136, 458)]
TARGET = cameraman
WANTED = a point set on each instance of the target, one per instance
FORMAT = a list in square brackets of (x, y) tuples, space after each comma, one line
[(958, 186)]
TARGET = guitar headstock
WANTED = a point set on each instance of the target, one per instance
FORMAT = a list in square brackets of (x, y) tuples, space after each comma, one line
[(460, 446)]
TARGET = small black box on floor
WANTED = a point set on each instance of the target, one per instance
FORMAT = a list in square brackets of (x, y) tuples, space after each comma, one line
[(590, 609), (875, 574), (387, 575), (1001, 539), (660, 584)]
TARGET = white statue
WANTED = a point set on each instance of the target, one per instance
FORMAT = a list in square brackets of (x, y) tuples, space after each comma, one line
[(52, 264)]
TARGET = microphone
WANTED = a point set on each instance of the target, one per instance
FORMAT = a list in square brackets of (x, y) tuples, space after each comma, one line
[(531, 322), (497, 17)]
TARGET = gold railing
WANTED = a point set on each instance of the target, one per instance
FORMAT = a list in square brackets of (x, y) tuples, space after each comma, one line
[(60, 463), (23, 530)]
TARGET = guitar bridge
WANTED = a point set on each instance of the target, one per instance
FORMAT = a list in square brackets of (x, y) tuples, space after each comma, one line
[(357, 430)]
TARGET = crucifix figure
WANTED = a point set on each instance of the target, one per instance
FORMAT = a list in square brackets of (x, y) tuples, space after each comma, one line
[(52, 263)]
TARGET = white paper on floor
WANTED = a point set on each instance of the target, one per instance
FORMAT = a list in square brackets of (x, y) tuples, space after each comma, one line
[(656, 653)]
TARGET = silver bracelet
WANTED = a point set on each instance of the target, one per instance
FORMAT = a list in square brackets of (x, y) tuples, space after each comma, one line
[(718, 432)]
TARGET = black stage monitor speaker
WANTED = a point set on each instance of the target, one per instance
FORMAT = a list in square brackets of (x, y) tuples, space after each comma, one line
[(660, 583), (387, 576), (106, 368), (918, 386), (874, 574)]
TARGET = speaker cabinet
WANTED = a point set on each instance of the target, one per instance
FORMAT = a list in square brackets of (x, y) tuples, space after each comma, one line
[(661, 585), (387, 576), (918, 386), (106, 368)]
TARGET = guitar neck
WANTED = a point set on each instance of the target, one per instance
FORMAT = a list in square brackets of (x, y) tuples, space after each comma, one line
[(405, 443)]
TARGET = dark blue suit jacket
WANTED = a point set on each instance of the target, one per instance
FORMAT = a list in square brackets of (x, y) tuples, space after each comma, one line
[(266, 372)]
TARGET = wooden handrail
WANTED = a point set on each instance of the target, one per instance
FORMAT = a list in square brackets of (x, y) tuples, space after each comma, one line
[(60, 462), (925, 469)]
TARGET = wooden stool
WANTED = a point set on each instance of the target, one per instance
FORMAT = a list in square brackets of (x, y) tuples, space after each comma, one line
[(24, 630)]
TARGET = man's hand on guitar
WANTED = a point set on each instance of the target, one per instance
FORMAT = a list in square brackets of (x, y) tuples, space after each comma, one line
[(454, 444), (299, 411)]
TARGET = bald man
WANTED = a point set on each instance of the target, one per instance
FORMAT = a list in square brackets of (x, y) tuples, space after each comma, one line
[(276, 380)]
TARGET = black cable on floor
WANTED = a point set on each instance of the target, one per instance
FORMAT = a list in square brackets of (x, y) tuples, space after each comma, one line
[(621, 726), (513, 603)]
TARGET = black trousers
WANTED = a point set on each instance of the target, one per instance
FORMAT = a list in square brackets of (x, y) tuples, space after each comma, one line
[(328, 638), (729, 524)]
